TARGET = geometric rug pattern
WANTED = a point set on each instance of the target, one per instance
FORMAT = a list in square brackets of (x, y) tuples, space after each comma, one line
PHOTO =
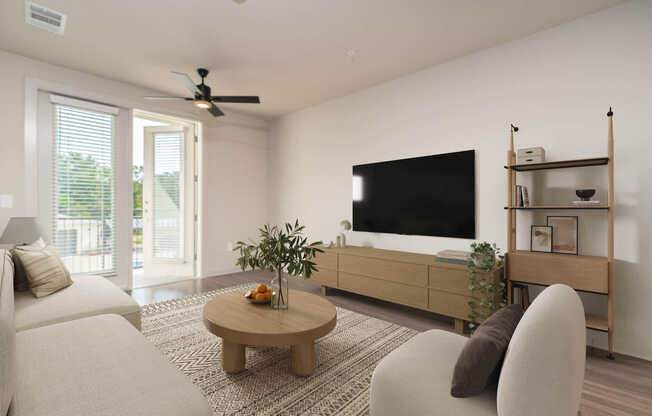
[(339, 385)]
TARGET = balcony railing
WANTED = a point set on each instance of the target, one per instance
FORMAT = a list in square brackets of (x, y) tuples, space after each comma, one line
[(85, 244)]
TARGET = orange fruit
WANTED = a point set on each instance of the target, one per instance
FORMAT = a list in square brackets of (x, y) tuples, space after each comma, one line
[(260, 297), (261, 288)]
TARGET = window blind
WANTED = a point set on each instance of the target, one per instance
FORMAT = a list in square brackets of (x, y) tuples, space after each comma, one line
[(83, 189), (168, 209)]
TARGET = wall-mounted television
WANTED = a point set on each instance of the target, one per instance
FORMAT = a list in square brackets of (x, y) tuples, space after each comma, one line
[(430, 195)]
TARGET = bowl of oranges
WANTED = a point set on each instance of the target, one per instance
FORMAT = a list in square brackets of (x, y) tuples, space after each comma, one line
[(261, 294)]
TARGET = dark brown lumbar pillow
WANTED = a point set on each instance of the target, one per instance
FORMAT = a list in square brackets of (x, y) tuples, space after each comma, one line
[(484, 352)]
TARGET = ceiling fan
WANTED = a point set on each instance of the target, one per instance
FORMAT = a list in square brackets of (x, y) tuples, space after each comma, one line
[(202, 94)]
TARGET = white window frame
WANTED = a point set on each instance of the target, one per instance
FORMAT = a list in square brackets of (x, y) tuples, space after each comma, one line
[(121, 155), (95, 108)]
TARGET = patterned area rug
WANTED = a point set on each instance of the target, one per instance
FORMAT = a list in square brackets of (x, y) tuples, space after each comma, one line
[(339, 385)]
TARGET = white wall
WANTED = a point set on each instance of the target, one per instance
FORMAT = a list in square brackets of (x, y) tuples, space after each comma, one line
[(16, 69), (556, 85), (235, 193)]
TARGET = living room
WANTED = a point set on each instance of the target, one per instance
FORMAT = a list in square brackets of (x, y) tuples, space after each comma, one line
[(311, 96)]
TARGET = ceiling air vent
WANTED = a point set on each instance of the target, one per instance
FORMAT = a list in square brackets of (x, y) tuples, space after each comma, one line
[(44, 18)]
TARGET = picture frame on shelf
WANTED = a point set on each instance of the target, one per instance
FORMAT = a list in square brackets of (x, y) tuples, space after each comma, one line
[(565, 234), (541, 237)]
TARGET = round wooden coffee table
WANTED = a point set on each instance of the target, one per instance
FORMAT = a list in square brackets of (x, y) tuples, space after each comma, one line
[(239, 323)]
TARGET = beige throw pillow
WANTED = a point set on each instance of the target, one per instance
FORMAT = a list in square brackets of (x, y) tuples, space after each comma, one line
[(45, 271), (21, 284)]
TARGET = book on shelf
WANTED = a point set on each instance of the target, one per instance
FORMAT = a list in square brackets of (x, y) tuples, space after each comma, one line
[(522, 196), (453, 256), (519, 196)]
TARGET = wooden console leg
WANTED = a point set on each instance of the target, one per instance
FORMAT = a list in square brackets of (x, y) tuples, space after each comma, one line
[(233, 356), (324, 291), (459, 326), (303, 359)]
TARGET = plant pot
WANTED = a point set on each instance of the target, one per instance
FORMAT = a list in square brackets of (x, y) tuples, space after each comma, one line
[(280, 291), (480, 259)]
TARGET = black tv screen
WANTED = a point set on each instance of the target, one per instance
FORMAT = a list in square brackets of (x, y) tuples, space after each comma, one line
[(430, 195)]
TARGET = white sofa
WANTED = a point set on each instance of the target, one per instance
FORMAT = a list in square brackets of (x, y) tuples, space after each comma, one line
[(87, 296), (542, 374), (99, 365)]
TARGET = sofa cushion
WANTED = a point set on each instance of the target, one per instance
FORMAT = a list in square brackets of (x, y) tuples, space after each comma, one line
[(88, 296), (44, 269), (99, 366), (479, 362), (21, 284), (7, 332), (415, 379), (543, 372)]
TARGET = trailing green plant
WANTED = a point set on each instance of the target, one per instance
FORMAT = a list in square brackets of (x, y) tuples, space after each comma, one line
[(487, 295), (279, 249)]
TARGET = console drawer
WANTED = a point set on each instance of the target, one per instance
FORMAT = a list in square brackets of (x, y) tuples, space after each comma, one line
[(449, 304), (381, 289), (450, 279), (324, 277), (406, 273), (326, 260)]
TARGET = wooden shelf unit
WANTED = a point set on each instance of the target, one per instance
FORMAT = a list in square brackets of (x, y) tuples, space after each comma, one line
[(561, 164), (553, 207), (599, 323), (583, 273)]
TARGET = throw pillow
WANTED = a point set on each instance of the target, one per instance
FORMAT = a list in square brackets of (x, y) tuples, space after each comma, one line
[(45, 271), (20, 279), (484, 352)]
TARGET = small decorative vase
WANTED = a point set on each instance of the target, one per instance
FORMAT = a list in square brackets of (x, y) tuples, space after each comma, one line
[(280, 291)]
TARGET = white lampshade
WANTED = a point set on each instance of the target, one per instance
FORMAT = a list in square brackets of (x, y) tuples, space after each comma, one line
[(21, 230)]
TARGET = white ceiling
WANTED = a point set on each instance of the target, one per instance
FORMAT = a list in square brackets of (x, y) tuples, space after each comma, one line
[(293, 53)]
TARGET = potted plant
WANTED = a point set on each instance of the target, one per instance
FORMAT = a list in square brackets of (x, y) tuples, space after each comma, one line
[(279, 249), (488, 296)]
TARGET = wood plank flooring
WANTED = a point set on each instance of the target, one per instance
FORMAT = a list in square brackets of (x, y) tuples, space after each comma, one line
[(620, 388)]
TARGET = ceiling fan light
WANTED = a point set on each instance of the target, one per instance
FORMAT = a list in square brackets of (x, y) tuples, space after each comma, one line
[(202, 104)]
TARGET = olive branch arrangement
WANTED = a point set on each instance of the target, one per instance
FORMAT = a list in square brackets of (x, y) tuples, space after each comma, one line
[(279, 249)]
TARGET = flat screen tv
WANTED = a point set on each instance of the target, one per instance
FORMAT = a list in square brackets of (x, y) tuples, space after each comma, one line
[(430, 195)]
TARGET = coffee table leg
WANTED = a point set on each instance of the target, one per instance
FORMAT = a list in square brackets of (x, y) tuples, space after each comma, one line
[(303, 359), (233, 356)]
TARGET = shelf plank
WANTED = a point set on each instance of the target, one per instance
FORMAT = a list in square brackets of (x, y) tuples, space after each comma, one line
[(576, 163), (597, 322), (584, 273), (552, 207)]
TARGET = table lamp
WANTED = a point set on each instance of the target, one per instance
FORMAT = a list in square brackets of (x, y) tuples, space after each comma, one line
[(21, 230)]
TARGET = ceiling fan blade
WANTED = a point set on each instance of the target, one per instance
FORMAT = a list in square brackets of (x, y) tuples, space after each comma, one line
[(215, 111), (252, 99), (168, 98), (187, 82)]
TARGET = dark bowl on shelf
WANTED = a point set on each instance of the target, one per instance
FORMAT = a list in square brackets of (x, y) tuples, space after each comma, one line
[(585, 194)]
